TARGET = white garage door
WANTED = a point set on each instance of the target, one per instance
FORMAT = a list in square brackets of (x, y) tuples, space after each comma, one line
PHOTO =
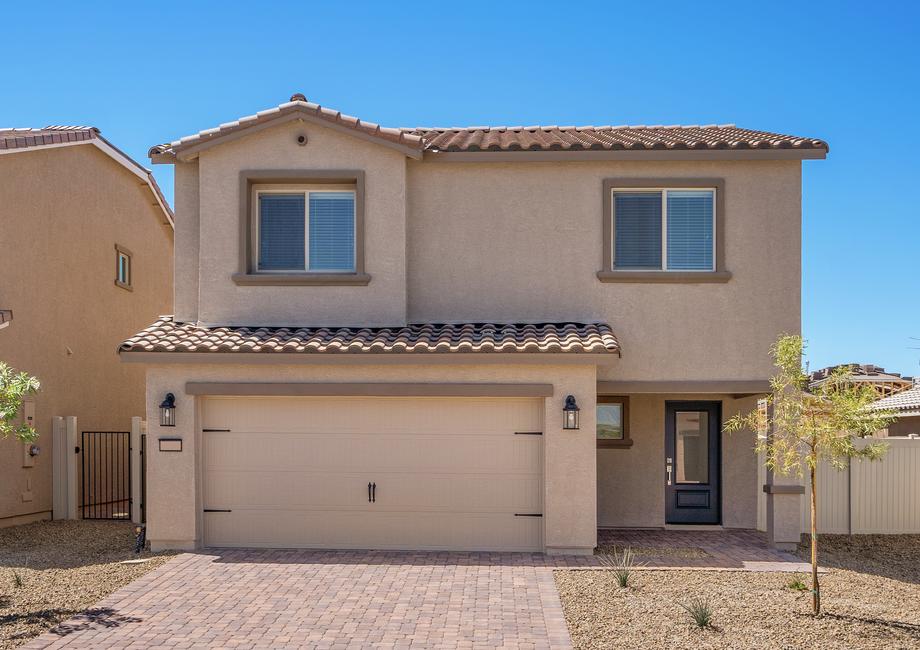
[(445, 473)]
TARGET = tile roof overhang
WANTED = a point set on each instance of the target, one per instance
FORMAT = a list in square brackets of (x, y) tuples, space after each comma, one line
[(416, 340), (906, 400), (504, 142), (17, 140)]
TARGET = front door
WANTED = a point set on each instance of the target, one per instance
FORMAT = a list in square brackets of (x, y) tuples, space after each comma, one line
[(692, 462)]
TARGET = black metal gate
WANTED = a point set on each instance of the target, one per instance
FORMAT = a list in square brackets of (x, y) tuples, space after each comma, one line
[(106, 487)]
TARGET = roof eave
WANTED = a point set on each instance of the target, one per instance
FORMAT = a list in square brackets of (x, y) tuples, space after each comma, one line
[(370, 358), (626, 154), (408, 145)]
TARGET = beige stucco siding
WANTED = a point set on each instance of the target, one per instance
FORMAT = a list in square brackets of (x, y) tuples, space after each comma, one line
[(62, 212), (174, 492), (221, 301), (188, 205), (522, 242), (631, 482)]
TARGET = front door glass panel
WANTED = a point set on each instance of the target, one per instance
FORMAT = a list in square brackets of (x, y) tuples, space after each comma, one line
[(692, 447)]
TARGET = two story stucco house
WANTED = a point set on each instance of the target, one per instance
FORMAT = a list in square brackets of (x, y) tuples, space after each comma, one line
[(495, 338)]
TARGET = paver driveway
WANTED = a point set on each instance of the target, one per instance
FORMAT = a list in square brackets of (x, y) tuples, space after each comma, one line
[(329, 599)]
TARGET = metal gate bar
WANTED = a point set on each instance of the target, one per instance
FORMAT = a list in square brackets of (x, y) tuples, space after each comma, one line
[(106, 485)]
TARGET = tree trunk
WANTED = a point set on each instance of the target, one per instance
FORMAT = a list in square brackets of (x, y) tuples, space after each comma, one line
[(815, 590)]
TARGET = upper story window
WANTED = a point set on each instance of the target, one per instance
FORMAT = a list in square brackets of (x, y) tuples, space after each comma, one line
[(664, 229), (123, 267), (305, 229)]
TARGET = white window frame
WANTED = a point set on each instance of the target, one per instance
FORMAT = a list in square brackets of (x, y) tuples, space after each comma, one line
[(122, 253), (664, 226), (306, 191)]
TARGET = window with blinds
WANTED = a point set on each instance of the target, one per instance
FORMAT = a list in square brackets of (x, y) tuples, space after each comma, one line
[(664, 229), (310, 230)]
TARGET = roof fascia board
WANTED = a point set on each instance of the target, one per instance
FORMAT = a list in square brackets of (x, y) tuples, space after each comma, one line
[(185, 154), (720, 387), (369, 359), (620, 154), (118, 156)]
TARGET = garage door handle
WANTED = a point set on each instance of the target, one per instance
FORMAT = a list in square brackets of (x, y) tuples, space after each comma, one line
[(374, 493), (368, 492), (216, 510)]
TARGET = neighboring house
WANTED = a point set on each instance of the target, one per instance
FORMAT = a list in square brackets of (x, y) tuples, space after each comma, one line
[(378, 332), (884, 383), (906, 405), (86, 244)]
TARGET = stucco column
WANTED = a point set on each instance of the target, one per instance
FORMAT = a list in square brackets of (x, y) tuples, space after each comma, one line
[(784, 508), (172, 509), (570, 468)]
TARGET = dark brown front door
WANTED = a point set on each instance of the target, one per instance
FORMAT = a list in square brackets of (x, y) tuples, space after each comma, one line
[(692, 462)]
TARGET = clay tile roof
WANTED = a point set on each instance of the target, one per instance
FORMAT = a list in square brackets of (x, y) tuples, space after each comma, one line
[(297, 104), (907, 400), (607, 138), (166, 335), (517, 138), (23, 138)]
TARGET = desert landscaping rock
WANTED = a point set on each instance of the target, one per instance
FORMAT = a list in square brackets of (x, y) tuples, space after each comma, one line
[(65, 567), (870, 597)]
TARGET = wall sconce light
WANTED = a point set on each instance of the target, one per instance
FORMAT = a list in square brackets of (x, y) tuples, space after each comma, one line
[(168, 411), (570, 413)]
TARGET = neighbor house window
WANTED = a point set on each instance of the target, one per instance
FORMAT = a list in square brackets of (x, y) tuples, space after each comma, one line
[(613, 422), (662, 229), (304, 230), (123, 267)]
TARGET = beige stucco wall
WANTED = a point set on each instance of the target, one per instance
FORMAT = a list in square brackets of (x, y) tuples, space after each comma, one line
[(904, 426), (62, 211), (522, 242), (221, 301), (174, 496), (631, 482)]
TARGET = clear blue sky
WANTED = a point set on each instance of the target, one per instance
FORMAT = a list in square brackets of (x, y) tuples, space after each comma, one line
[(847, 73)]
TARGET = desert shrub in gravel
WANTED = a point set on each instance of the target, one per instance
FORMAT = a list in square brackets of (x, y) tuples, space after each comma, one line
[(623, 565), (700, 611), (796, 584), (17, 579)]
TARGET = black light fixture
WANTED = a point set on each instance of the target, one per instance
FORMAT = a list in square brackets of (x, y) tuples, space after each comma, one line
[(570, 413), (168, 411)]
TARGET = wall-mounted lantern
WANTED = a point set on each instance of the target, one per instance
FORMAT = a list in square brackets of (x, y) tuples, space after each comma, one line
[(168, 411), (570, 413)]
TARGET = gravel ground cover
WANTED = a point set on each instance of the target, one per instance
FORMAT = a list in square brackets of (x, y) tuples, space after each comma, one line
[(653, 551), (870, 598), (63, 567)]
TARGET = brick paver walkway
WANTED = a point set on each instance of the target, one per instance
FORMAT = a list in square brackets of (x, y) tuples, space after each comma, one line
[(329, 599), (710, 549), (365, 599)]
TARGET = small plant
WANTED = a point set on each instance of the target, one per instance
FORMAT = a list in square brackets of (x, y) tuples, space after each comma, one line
[(623, 565), (797, 584), (700, 611), (17, 579)]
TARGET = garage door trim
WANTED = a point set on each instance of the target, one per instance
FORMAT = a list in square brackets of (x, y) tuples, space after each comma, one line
[(379, 389)]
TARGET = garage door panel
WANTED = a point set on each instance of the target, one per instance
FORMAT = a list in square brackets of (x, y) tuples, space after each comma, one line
[(450, 473), (372, 451), (380, 530), (359, 414)]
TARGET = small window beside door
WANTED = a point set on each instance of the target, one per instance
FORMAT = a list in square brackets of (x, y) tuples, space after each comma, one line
[(613, 422), (123, 270)]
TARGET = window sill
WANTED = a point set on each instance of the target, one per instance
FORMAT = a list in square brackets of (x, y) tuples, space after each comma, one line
[(614, 444), (673, 277), (302, 279), (123, 285)]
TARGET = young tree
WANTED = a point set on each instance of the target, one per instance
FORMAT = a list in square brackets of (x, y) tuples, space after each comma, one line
[(14, 387), (810, 424)]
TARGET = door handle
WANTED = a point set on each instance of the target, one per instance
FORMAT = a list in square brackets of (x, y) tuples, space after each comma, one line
[(368, 492), (374, 493), (668, 468)]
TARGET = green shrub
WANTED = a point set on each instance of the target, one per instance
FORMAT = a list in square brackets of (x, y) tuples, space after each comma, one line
[(700, 611)]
